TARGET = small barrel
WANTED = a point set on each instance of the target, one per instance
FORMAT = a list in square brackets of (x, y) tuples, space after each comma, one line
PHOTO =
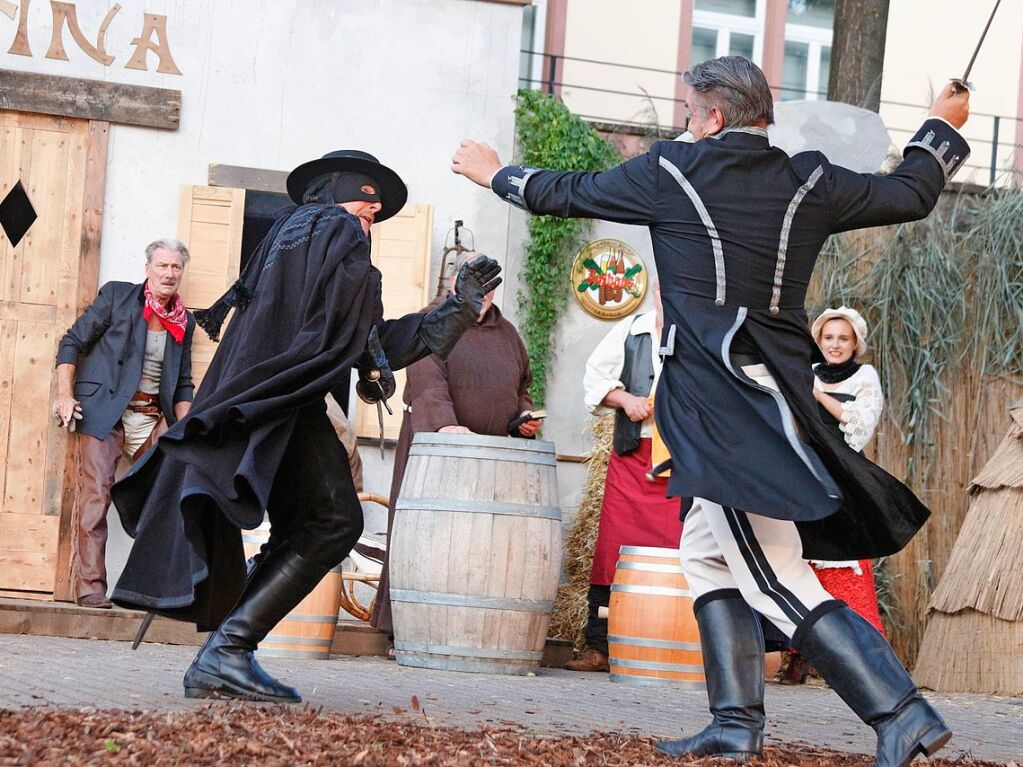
[(308, 630), (652, 633), (475, 553)]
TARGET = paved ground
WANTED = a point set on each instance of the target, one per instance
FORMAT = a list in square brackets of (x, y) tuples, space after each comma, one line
[(89, 673)]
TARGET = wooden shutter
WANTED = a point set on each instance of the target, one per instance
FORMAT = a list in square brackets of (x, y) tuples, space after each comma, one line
[(401, 251), (210, 220), (44, 282)]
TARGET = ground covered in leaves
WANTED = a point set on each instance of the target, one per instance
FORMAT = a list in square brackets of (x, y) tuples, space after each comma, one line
[(249, 734)]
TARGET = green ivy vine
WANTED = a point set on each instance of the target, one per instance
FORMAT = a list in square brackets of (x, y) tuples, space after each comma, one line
[(550, 136)]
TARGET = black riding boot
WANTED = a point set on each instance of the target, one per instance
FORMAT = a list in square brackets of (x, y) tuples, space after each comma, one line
[(862, 668), (733, 661), (225, 666)]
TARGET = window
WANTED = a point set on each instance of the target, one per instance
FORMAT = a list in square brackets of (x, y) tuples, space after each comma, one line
[(728, 28), (531, 61), (807, 64)]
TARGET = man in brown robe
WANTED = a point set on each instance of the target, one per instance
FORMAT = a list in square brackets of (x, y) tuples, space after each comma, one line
[(481, 387)]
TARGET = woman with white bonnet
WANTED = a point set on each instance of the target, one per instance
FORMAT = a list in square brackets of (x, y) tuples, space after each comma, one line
[(849, 395)]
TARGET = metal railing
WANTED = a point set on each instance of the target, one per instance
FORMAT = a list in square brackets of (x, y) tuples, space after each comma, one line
[(996, 140)]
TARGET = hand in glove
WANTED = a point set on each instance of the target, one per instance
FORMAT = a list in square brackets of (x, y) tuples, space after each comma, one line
[(477, 278), (376, 381), (375, 385)]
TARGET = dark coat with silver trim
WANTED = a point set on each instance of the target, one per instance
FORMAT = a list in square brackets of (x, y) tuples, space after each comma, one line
[(737, 227)]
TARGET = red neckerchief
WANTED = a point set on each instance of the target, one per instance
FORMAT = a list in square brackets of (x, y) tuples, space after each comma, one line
[(175, 320)]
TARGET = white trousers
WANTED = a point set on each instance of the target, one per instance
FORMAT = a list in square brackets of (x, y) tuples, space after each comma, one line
[(725, 548)]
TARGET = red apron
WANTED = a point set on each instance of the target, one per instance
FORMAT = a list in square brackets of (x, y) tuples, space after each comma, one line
[(635, 512)]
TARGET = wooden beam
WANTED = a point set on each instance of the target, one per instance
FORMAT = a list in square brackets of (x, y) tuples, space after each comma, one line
[(240, 177), (90, 99)]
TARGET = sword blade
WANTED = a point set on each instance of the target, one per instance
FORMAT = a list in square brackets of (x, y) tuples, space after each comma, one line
[(380, 421), (969, 67)]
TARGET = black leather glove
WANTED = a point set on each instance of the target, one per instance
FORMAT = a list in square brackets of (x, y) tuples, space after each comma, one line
[(375, 385), (441, 328), (475, 279), (376, 380)]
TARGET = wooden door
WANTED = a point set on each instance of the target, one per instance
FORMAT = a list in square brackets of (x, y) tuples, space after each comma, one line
[(401, 251), (210, 221), (44, 282)]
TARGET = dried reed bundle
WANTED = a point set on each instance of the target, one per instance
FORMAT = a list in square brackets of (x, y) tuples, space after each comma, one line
[(974, 640), (571, 610)]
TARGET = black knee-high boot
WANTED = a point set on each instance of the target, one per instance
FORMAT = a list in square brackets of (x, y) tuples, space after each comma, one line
[(733, 660), (225, 666), (862, 668)]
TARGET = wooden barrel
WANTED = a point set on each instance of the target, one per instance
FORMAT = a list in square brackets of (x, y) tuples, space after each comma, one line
[(652, 633), (475, 553), (308, 630)]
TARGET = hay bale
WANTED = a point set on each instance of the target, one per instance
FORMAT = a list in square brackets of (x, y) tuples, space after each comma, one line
[(571, 610), (974, 638)]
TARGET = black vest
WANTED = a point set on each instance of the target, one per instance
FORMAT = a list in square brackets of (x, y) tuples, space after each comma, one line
[(638, 377)]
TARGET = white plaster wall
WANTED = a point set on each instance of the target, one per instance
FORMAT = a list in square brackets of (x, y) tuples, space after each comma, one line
[(273, 83), (923, 51)]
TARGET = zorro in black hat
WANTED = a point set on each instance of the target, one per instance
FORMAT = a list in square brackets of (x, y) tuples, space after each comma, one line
[(348, 175), (257, 437)]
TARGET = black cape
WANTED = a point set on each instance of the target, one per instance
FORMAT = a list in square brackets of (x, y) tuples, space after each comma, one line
[(185, 501)]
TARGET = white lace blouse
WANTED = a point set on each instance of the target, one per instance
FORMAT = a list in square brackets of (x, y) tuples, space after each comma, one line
[(859, 416)]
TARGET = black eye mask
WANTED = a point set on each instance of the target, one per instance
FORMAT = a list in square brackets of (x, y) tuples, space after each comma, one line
[(342, 187)]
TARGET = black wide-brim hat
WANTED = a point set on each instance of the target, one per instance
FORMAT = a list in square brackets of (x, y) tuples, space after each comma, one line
[(393, 192)]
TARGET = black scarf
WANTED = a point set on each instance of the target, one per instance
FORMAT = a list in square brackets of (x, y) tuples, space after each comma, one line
[(832, 374)]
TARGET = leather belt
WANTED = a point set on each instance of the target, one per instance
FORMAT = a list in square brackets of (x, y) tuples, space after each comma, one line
[(147, 404)]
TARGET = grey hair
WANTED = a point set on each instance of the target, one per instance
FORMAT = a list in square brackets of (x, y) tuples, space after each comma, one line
[(736, 86), (168, 243)]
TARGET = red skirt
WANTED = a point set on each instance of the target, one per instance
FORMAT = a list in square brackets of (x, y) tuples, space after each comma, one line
[(636, 512), (857, 591)]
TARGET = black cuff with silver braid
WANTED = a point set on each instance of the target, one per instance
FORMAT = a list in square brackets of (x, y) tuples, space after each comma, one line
[(441, 328)]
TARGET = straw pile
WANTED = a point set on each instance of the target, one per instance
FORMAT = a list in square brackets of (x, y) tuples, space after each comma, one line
[(571, 610), (974, 641)]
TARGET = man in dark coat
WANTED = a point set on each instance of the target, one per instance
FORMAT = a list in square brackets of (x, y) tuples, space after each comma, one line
[(124, 371), (481, 387), (258, 436), (737, 227)]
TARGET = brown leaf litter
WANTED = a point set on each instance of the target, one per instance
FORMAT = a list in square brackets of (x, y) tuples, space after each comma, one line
[(235, 734)]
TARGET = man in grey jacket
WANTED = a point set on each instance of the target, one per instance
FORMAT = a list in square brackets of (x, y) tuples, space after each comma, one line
[(124, 372)]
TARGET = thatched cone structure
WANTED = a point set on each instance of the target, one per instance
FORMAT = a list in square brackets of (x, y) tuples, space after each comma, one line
[(974, 638), (571, 609)]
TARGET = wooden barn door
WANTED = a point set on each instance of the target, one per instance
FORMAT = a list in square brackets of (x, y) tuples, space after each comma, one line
[(44, 282), (401, 251), (210, 221)]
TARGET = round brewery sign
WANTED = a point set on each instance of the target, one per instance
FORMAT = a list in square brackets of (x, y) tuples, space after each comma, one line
[(609, 279)]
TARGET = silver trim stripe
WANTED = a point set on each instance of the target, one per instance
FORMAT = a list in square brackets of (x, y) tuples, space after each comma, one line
[(779, 401), (478, 507), (649, 665), (786, 228), (467, 652), (649, 551), (712, 232), (653, 591), (648, 567), (662, 644), (472, 600)]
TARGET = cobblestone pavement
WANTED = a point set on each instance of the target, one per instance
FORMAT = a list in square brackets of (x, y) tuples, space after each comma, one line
[(89, 673)]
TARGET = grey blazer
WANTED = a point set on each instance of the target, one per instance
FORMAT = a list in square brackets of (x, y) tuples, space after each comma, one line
[(107, 343)]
